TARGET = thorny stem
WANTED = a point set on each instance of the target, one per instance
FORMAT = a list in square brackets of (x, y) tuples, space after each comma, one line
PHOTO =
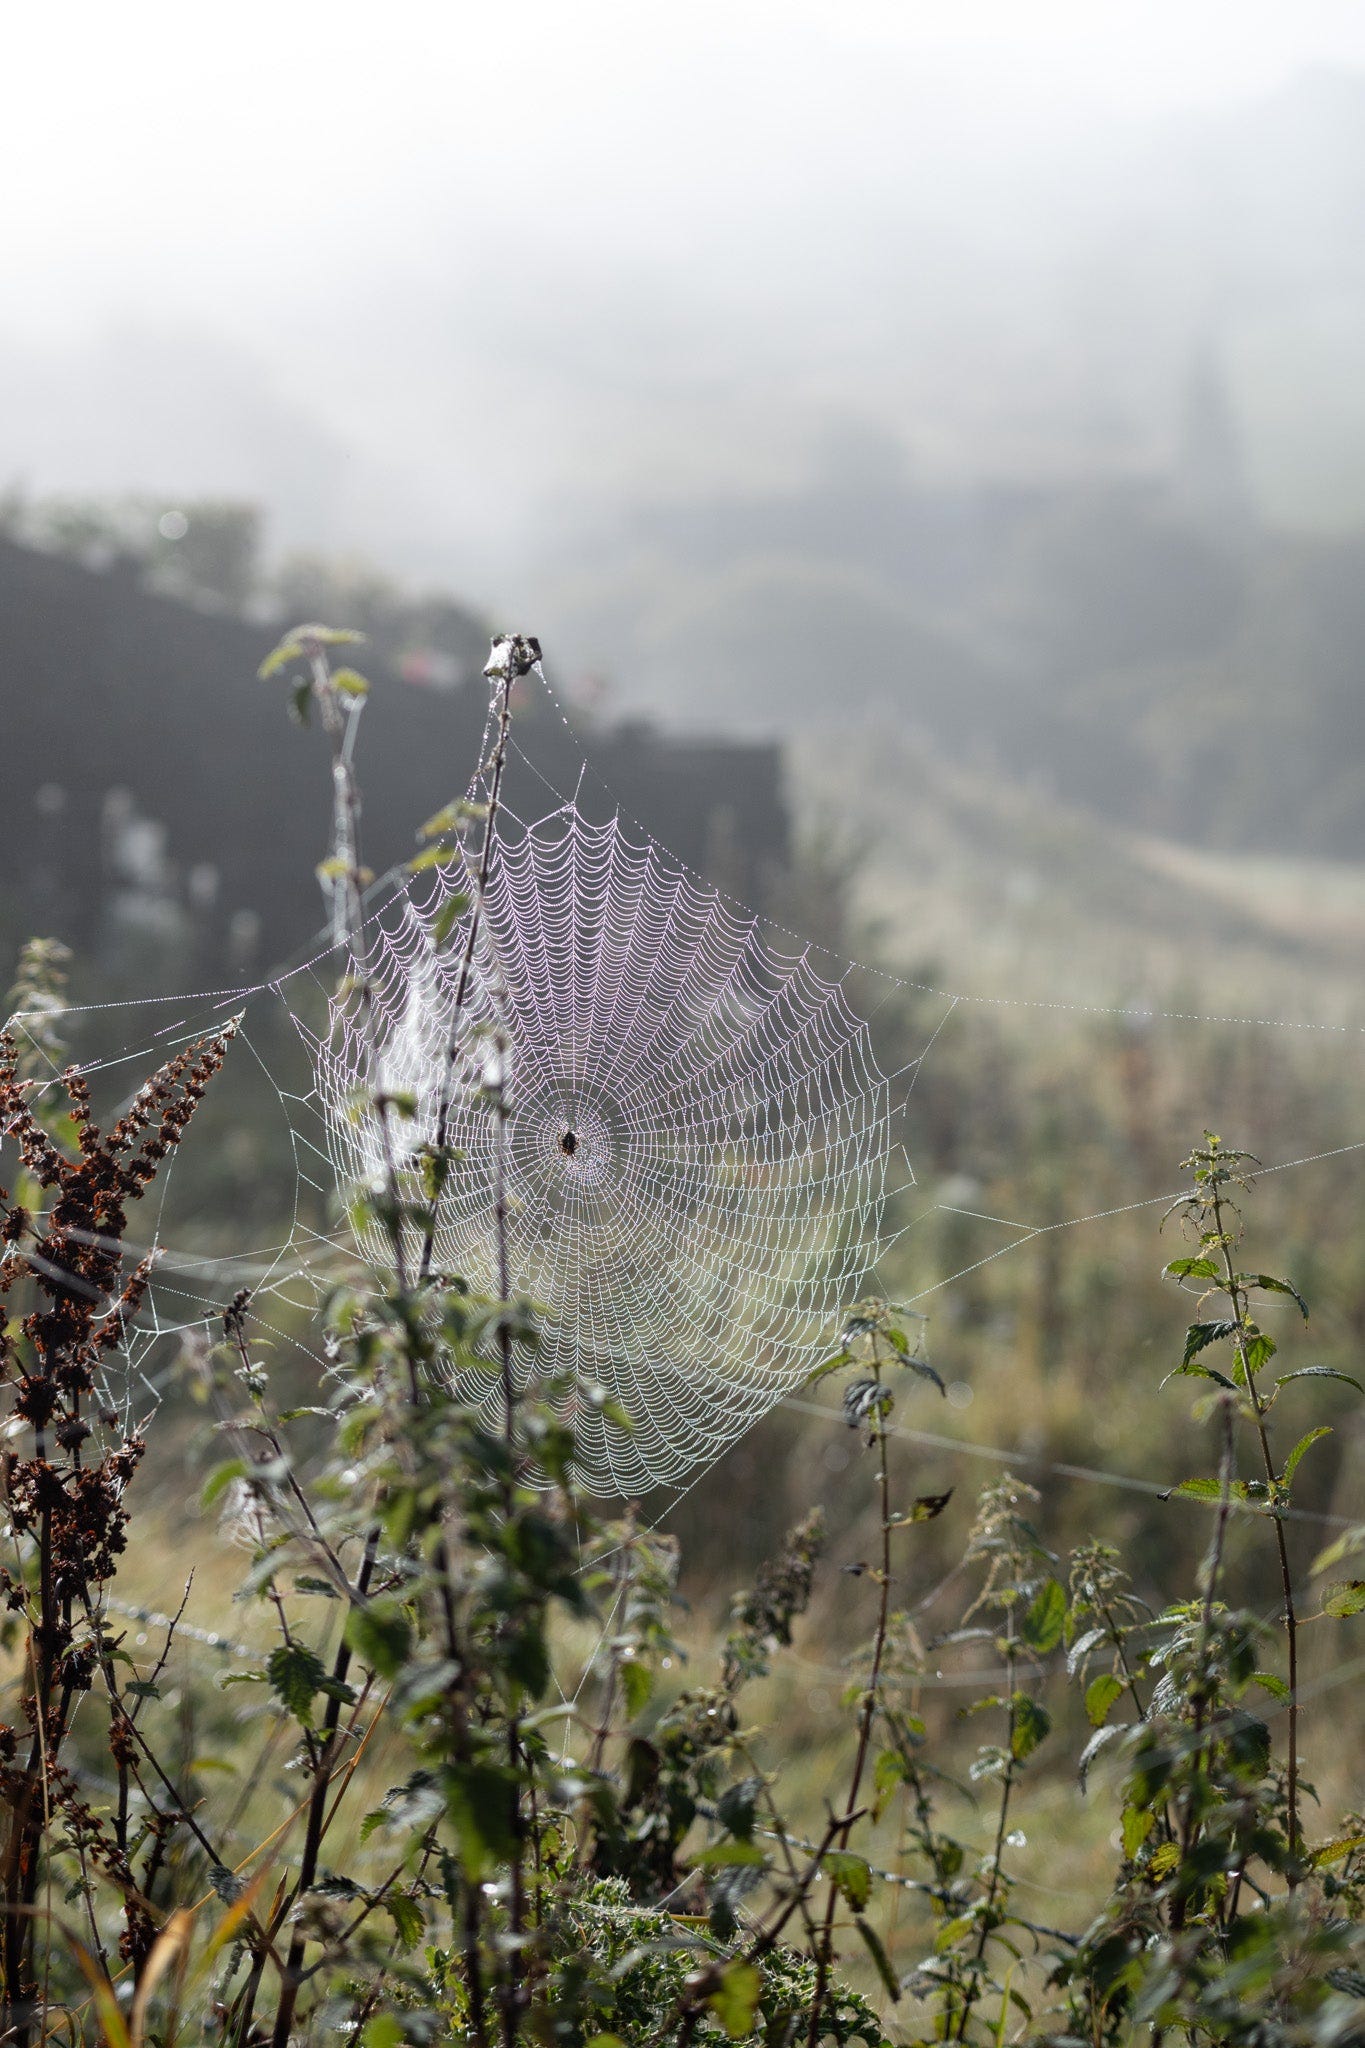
[(1238, 1298), (825, 1950)]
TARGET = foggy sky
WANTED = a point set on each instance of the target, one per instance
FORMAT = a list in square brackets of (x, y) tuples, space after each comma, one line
[(450, 284)]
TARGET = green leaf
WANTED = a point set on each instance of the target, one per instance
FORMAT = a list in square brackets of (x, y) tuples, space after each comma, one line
[(408, 1919), (220, 1479), (1031, 1724), (1200, 1335), (301, 701), (735, 2000), (637, 1683), (727, 1854), (385, 2030), (926, 1508), (851, 1875), (1043, 1626), (479, 1801), (1097, 1742), (1100, 1696), (1191, 1269), (296, 1675), (447, 917), (381, 1637), (1271, 1285), (1291, 1463), (1348, 1544), (1319, 1372), (350, 683), (1197, 1489), (880, 1958), (835, 1364), (1345, 1597), (434, 857), (1335, 1851), (1138, 1822)]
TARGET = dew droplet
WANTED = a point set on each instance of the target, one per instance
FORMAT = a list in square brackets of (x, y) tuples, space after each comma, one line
[(1017, 1839)]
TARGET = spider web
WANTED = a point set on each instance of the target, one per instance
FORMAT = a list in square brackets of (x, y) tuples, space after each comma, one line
[(698, 1136), (745, 1182)]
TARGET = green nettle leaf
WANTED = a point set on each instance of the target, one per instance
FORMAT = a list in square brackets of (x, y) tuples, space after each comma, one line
[(1138, 1822), (1348, 1544), (735, 2000), (480, 1802), (1319, 1372), (835, 1364), (1100, 1696), (447, 917), (852, 1875), (1271, 1285), (1344, 1598), (385, 2030), (1031, 1725), (637, 1683), (926, 1509), (879, 1958), (1291, 1463), (1097, 1742), (1044, 1624), (408, 1918), (296, 1675), (381, 1637), (1200, 1335), (725, 1855), (434, 857), (1191, 1269), (220, 1479), (1335, 1851)]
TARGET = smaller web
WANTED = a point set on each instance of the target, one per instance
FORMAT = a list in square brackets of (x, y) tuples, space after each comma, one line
[(697, 1142)]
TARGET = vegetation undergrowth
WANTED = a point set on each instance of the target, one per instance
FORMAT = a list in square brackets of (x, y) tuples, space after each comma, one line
[(420, 1816)]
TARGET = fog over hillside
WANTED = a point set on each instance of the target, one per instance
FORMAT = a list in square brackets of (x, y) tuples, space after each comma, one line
[(810, 363)]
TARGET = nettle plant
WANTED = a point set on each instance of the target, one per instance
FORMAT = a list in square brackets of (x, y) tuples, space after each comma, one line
[(457, 1793)]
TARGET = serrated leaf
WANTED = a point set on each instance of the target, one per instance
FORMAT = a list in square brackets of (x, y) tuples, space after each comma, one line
[(1138, 1822), (637, 1683), (1335, 1851), (735, 2000), (1344, 1598), (447, 917), (1319, 1372), (381, 1637), (1044, 1623), (1346, 1545), (725, 1855), (1032, 1723), (296, 1675), (408, 1919), (1092, 1749), (1100, 1696), (851, 1875), (879, 1957), (220, 1479), (1191, 1269), (928, 1507), (1270, 1285), (1199, 1336), (1291, 1463), (835, 1364)]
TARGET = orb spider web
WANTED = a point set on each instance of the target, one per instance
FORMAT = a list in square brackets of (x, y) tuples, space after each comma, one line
[(697, 1137)]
